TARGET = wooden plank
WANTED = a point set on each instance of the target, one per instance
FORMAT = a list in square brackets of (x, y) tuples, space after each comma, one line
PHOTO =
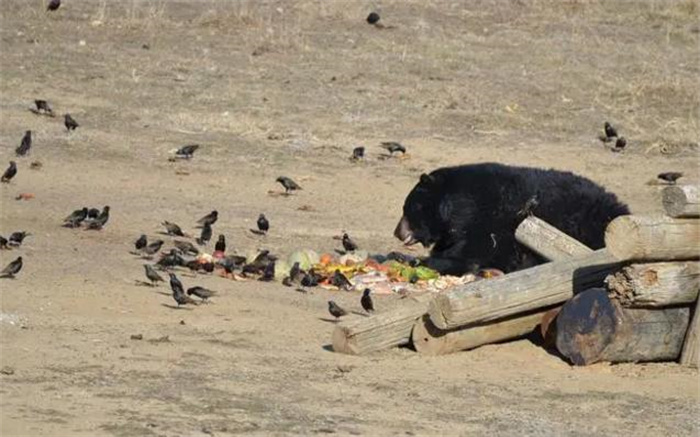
[(520, 292), (593, 328), (548, 241), (655, 284), (659, 238), (682, 200), (691, 345)]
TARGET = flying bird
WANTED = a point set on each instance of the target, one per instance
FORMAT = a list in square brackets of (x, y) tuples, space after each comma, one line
[(671, 177), (201, 292), (186, 152), (335, 310), (25, 144), (610, 131), (366, 301), (12, 268), (53, 5), (348, 244), (9, 173), (152, 275), (358, 153), (179, 292), (288, 184), (43, 106), (76, 218), (263, 224), (16, 238), (373, 18), (393, 147), (70, 123), (210, 218), (173, 229), (220, 245), (205, 235), (100, 221), (138, 244)]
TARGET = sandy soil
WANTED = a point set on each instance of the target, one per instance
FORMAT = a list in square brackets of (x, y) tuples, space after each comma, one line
[(272, 88)]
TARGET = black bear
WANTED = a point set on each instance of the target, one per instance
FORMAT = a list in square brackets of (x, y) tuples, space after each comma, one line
[(468, 214)]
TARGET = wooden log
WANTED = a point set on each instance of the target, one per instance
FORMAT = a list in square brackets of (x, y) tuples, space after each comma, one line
[(691, 345), (593, 328), (631, 237), (537, 235), (548, 241), (655, 284), (380, 331), (682, 200), (520, 292)]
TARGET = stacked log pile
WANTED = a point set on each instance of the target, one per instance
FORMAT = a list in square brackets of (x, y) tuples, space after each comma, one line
[(634, 300)]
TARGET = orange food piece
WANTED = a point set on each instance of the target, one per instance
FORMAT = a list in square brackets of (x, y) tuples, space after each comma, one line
[(326, 259), (24, 196)]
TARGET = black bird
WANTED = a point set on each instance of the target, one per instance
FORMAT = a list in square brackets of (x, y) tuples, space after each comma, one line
[(610, 131), (16, 238), (12, 268), (186, 247), (620, 144), (152, 248), (268, 272), (172, 259), (9, 173), (25, 144), (76, 218), (335, 310), (93, 213), (231, 263), (220, 245), (201, 292), (179, 292), (205, 235), (263, 224), (3, 243), (393, 147), (294, 272), (70, 123), (173, 229), (138, 244), (348, 244), (186, 152), (373, 18), (43, 106), (358, 153), (152, 275), (288, 184), (310, 279), (53, 5), (671, 177), (366, 301), (210, 218), (101, 220), (341, 281)]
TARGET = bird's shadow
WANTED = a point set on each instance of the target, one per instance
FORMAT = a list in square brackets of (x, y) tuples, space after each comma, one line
[(164, 293), (357, 313), (258, 232), (140, 283), (323, 319), (278, 194), (175, 307)]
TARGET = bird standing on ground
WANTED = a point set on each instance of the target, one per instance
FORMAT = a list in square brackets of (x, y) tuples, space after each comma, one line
[(152, 275), (610, 131), (152, 248), (335, 310), (620, 144), (3, 243), (93, 213), (341, 281), (393, 147), (100, 221), (671, 177), (172, 259), (138, 244), (288, 184), (210, 218), (43, 106), (9, 173), (25, 144), (70, 123), (179, 292), (16, 238), (205, 235), (373, 18), (12, 268), (201, 292), (263, 224), (173, 229), (186, 152), (76, 218), (358, 153), (186, 247), (366, 301), (53, 5), (220, 245), (348, 244)]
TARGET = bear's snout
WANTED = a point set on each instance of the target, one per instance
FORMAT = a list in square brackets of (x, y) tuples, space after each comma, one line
[(403, 232)]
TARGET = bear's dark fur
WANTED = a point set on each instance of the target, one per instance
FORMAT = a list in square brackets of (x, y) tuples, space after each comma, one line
[(469, 214)]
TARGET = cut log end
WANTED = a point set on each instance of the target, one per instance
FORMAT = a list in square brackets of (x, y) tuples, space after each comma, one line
[(682, 201)]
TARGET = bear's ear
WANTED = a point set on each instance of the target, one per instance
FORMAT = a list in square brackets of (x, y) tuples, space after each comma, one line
[(427, 179)]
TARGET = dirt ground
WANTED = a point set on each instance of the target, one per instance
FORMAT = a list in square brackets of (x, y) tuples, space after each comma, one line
[(289, 88)]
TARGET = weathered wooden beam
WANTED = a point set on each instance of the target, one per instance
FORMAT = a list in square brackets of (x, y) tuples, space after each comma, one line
[(682, 200), (593, 328), (655, 284), (548, 241), (520, 292), (691, 345), (645, 238)]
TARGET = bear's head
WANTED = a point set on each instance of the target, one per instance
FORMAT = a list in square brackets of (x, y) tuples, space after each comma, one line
[(433, 212)]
